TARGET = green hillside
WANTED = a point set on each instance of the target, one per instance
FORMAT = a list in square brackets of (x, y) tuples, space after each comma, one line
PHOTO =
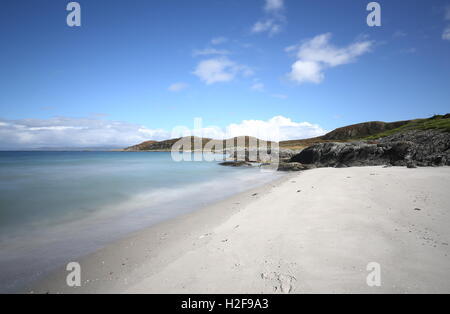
[(438, 122)]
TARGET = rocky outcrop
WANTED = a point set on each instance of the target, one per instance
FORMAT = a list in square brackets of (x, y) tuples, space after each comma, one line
[(428, 147), (294, 166), (236, 164), (261, 155), (347, 154), (412, 148)]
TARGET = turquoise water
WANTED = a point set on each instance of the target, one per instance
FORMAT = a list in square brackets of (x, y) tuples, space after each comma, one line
[(56, 206)]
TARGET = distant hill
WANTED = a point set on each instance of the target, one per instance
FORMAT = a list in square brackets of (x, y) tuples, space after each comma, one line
[(143, 146), (346, 133), (165, 145), (361, 131), (193, 142)]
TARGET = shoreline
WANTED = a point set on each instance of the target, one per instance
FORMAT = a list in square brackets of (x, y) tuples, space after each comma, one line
[(157, 237), (309, 232), (106, 199)]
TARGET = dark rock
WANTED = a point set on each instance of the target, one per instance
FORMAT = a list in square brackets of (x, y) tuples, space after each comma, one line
[(428, 147), (341, 155), (293, 166), (262, 155), (286, 154), (411, 149), (236, 164)]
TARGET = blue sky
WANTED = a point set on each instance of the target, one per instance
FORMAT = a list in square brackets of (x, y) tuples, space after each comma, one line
[(142, 67)]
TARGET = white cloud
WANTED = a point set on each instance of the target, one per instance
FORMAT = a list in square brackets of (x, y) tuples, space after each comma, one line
[(177, 87), (446, 33), (317, 54), (273, 23), (62, 132), (72, 133), (278, 128), (220, 70), (210, 51), (259, 87), (320, 50), (290, 49), (219, 40), (215, 70), (270, 26), (274, 5), (306, 71)]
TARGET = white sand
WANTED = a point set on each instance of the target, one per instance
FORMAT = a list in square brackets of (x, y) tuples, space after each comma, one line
[(315, 231)]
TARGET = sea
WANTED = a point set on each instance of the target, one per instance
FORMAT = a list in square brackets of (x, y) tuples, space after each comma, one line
[(59, 206)]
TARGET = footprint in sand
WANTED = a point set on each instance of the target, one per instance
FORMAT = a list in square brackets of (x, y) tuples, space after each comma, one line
[(205, 235), (286, 283), (282, 282)]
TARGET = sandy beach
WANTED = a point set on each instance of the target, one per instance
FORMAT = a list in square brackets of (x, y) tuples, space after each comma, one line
[(310, 232)]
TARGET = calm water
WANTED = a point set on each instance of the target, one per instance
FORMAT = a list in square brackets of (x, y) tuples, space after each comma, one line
[(56, 206)]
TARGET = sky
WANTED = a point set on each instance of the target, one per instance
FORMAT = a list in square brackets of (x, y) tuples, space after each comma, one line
[(136, 69)]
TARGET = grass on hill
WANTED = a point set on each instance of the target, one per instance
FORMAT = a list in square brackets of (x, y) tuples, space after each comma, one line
[(437, 123)]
